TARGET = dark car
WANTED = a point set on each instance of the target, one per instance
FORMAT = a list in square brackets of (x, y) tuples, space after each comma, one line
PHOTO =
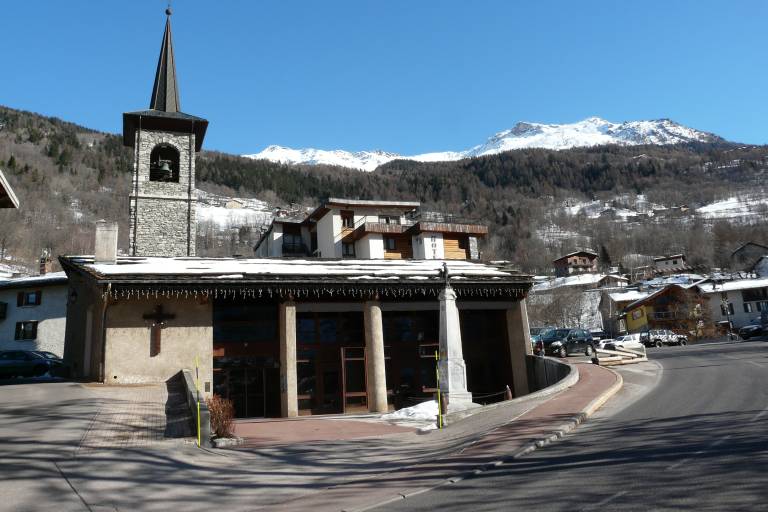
[(27, 363), (562, 342), (753, 331)]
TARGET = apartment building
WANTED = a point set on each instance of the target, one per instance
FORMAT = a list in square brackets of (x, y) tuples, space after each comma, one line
[(353, 228)]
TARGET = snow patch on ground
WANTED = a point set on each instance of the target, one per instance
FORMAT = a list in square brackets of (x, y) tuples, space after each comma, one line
[(425, 411), (735, 207)]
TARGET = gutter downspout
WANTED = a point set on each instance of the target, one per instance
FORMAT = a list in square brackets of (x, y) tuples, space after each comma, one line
[(102, 366)]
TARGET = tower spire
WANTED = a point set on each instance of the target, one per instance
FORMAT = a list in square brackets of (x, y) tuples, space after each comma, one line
[(165, 92)]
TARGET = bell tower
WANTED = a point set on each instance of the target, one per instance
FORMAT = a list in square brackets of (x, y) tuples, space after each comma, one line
[(165, 140)]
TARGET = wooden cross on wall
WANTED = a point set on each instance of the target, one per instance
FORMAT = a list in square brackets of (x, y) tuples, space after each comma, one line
[(158, 321)]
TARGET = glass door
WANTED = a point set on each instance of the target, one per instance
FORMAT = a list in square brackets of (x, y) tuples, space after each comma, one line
[(354, 379)]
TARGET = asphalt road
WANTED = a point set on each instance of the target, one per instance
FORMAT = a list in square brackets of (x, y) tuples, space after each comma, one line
[(696, 441)]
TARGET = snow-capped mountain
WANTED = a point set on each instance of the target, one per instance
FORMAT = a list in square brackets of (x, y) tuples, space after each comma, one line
[(589, 132)]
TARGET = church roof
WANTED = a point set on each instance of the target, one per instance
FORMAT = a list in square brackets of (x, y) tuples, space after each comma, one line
[(302, 277), (164, 106), (165, 92)]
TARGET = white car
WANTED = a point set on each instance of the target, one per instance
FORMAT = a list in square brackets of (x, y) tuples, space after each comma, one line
[(628, 341)]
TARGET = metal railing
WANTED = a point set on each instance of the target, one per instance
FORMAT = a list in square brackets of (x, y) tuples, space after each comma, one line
[(295, 248), (439, 217)]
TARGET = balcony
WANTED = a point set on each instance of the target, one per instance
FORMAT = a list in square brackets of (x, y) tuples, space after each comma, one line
[(670, 315), (295, 249), (424, 221), (366, 228)]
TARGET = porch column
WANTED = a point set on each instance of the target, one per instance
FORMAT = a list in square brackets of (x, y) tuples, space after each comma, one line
[(289, 403), (519, 337), (453, 370), (374, 345)]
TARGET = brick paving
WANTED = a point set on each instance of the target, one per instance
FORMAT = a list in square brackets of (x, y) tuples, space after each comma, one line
[(137, 416)]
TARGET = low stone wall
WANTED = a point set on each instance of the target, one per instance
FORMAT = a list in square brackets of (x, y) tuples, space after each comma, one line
[(546, 376), (545, 371), (205, 415)]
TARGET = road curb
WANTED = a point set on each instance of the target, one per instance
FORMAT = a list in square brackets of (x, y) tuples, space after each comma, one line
[(558, 433)]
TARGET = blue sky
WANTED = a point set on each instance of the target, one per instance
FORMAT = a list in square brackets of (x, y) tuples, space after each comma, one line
[(401, 75)]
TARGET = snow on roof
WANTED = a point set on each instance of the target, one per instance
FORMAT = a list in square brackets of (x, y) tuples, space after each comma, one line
[(631, 296), (576, 280), (574, 253), (728, 286), (274, 267), (25, 282), (679, 279)]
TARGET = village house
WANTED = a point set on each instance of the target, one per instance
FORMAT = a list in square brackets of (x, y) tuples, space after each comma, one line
[(579, 262), (283, 337), (740, 302), (746, 255), (673, 264), (354, 228), (33, 311), (678, 308), (760, 268), (612, 304)]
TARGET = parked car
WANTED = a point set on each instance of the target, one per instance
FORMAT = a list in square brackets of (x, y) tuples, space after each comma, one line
[(562, 342), (536, 343), (28, 363), (661, 337), (628, 341), (753, 331)]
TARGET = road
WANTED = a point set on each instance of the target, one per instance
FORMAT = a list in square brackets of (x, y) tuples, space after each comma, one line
[(696, 441)]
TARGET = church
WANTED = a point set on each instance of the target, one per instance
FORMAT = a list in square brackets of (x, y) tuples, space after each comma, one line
[(280, 337)]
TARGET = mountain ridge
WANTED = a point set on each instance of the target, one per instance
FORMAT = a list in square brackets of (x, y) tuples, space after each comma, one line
[(593, 131)]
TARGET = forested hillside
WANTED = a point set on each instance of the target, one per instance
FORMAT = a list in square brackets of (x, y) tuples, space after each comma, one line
[(67, 177)]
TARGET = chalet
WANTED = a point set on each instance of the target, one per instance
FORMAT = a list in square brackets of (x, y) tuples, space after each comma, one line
[(354, 228), (672, 307), (670, 264), (578, 262), (279, 336), (746, 255)]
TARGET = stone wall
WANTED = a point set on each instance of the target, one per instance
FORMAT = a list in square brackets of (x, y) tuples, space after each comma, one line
[(162, 215)]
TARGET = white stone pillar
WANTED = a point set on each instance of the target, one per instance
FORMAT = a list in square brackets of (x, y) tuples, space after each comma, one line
[(453, 370), (289, 402), (519, 337), (374, 346)]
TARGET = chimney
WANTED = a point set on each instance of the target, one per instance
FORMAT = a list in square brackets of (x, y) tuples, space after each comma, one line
[(46, 266), (106, 242)]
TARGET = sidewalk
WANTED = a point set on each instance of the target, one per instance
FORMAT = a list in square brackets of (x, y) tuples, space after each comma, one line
[(520, 434)]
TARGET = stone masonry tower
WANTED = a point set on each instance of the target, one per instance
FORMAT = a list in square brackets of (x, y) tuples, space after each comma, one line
[(165, 140)]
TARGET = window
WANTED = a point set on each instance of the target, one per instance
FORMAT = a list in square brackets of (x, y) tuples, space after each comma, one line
[(164, 164), (389, 244), (29, 298), (389, 219), (26, 330), (3, 310), (674, 262), (726, 310), (347, 219), (348, 250), (747, 307)]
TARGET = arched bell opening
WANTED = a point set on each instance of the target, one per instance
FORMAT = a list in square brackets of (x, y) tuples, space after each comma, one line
[(164, 164)]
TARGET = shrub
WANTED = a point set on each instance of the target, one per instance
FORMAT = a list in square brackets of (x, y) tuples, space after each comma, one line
[(222, 415)]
